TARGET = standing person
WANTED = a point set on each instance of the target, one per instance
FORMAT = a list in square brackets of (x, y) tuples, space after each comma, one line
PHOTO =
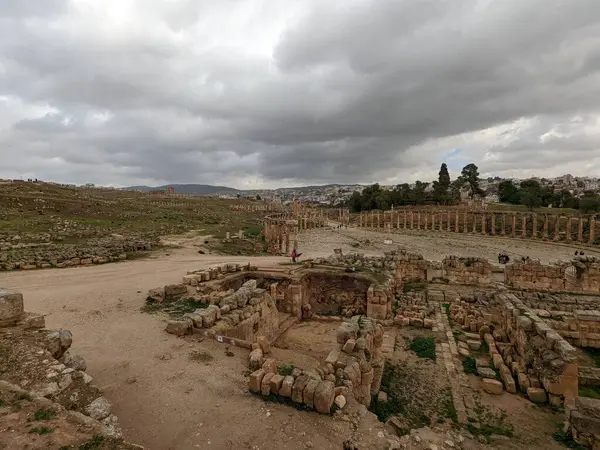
[(294, 256)]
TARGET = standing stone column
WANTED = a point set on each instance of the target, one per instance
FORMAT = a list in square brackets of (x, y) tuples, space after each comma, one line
[(372, 218), (545, 232), (405, 219), (580, 230), (474, 222), (524, 226), (418, 221), (466, 223), (426, 220), (534, 227), (449, 227), (484, 223), (557, 229), (378, 220), (412, 220), (456, 225), (513, 232), (398, 220), (493, 224), (592, 229), (569, 228)]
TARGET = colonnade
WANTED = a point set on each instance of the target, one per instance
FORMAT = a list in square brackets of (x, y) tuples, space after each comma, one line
[(580, 229), (281, 230)]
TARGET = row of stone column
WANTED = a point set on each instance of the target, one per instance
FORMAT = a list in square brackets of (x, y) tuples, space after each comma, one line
[(452, 221), (281, 230)]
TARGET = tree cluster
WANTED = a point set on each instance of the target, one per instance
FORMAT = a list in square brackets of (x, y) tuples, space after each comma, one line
[(533, 195), (443, 192)]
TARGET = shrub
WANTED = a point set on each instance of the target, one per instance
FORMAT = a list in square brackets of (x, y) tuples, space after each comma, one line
[(424, 347)]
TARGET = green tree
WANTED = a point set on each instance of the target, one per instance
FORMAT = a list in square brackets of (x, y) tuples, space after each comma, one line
[(531, 194), (509, 193), (455, 190), (441, 186), (470, 175), (589, 203), (419, 194)]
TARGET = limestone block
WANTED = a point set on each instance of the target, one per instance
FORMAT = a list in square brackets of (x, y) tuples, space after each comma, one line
[(265, 385), (275, 383), (349, 346), (464, 352), (340, 401), (264, 343), (333, 356), (492, 386), (309, 392), (11, 307), (286, 386), (99, 408), (428, 323), (175, 291), (270, 365), (537, 395), (31, 321), (347, 330), (486, 372), (324, 396), (179, 327), (256, 359), (509, 383), (474, 345), (415, 322), (298, 388), (523, 381)]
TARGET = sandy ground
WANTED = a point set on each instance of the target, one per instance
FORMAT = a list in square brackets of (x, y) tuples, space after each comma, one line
[(164, 400), (435, 245)]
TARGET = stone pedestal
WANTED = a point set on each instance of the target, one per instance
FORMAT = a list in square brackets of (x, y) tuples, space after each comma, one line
[(11, 307)]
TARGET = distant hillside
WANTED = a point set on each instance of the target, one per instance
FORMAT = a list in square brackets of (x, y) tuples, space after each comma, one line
[(191, 189)]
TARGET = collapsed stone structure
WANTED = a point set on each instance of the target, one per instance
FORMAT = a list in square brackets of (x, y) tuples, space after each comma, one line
[(38, 365), (42, 255), (530, 338), (580, 229)]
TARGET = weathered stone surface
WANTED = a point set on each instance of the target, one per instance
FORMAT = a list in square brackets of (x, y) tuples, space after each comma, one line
[(270, 365), (309, 392), (179, 327), (174, 292), (492, 386), (11, 307), (286, 387), (276, 383), (264, 343), (382, 397), (255, 381), (347, 330), (31, 321), (99, 408), (340, 401), (349, 346), (256, 359), (265, 386), (298, 388), (537, 395), (74, 362), (486, 372), (474, 344), (324, 396)]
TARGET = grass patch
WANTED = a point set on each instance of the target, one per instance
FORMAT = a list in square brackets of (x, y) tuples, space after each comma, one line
[(566, 439), (285, 369), (424, 347), (593, 354), (175, 309), (393, 406), (590, 391), (446, 408), (41, 430), (95, 443), (253, 232), (272, 398), (469, 366), (200, 356), (44, 414), (487, 430), (446, 307)]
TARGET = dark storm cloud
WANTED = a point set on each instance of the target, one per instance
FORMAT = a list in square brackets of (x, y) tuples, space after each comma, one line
[(355, 91)]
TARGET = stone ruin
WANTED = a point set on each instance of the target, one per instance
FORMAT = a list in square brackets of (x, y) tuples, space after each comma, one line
[(529, 339), (38, 367)]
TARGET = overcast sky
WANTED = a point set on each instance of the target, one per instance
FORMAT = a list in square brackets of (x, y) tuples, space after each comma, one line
[(251, 93)]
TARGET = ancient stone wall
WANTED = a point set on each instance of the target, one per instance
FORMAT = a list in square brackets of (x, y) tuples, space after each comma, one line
[(580, 229), (281, 229), (351, 372), (242, 314), (583, 422), (580, 327), (95, 251), (538, 357), (470, 271)]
